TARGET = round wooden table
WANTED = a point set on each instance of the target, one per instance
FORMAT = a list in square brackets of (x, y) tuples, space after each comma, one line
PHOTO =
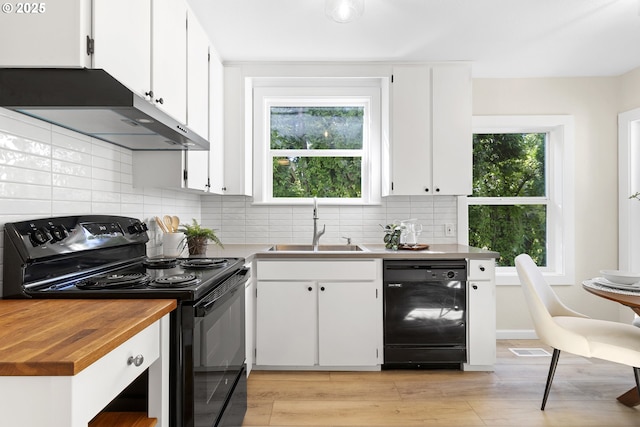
[(631, 397), (631, 301)]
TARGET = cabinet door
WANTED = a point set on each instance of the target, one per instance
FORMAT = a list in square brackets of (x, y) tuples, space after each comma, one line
[(169, 57), (481, 325), (452, 133), (197, 77), (411, 130), (216, 126), (286, 319), (238, 148), (197, 101), (197, 170), (56, 36), (349, 324), (122, 34)]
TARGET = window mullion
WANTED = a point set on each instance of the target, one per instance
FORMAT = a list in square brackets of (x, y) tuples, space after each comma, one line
[(505, 201), (315, 153)]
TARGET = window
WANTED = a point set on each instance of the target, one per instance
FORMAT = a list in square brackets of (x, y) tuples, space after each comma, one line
[(522, 197), (317, 141)]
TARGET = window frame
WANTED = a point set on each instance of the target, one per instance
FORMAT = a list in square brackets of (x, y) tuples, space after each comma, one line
[(560, 269), (318, 92)]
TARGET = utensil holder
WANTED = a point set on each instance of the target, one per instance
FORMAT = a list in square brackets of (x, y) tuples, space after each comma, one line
[(173, 244)]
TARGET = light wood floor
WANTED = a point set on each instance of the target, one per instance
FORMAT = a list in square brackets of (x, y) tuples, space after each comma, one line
[(583, 394)]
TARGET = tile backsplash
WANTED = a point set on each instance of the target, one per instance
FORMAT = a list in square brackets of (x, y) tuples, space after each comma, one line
[(238, 220), (47, 171)]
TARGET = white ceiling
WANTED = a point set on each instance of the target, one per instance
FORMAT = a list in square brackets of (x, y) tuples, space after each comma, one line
[(502, 38)]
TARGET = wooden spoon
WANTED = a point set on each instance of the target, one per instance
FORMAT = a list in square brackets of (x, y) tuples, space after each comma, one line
[(167, 222), (175, 222), (161, 225)]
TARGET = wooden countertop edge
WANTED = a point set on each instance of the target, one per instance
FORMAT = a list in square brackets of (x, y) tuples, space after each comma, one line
[(74, 363)]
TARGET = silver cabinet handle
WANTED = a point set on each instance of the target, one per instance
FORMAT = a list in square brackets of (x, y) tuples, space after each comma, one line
[(137, 361)]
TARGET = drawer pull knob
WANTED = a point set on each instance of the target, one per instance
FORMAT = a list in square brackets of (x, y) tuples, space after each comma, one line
[(482, 268), (137, 361)]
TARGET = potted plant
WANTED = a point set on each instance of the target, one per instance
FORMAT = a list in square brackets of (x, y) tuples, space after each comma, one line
[(196, 238), (392, 234)]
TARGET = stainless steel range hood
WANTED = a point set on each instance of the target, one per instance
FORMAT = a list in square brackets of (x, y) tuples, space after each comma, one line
[(92, 102)]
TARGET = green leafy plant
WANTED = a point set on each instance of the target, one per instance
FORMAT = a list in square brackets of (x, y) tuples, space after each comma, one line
[(392, 234), (196, 237)]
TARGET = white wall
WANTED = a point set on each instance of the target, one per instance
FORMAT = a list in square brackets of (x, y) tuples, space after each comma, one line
[(595, 103), (49, 171)]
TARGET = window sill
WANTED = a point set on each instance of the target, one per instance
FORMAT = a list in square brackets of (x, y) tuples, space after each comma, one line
[(552, 278)]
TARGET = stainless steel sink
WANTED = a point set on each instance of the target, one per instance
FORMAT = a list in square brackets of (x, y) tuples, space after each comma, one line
[(321, 248)]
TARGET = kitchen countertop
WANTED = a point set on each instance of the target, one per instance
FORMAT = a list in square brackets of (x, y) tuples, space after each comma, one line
[(58, 337), (435, 251)]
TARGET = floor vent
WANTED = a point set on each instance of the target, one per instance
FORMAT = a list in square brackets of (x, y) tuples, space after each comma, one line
[(530, 352)]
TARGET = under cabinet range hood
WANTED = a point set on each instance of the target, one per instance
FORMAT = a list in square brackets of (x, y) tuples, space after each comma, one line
[(93, 103)]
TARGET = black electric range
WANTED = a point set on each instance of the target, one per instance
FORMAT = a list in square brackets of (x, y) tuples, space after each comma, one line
[(104, 256)]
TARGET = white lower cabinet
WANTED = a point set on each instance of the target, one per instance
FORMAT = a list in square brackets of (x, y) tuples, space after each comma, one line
[(481, 320), (347, 315), (330, 316), (286, 323)]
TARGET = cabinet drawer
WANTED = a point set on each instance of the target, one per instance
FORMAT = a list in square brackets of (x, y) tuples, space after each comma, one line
[(481, 269), (113, 373), (366, 270)]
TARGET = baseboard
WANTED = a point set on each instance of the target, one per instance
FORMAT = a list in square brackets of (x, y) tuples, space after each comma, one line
[(516, 334)]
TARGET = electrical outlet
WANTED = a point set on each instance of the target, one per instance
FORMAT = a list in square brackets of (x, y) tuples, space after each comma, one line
[(449, 230)]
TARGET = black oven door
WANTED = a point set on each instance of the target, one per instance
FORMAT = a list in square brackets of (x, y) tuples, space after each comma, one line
[(218, 356)]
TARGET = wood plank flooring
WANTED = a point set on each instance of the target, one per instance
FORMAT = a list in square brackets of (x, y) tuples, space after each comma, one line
[(583, 394)]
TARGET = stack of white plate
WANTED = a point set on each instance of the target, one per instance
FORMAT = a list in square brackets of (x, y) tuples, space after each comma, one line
[(620, 279)]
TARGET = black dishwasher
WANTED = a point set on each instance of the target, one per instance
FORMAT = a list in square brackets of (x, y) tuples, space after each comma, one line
[(424, 313)]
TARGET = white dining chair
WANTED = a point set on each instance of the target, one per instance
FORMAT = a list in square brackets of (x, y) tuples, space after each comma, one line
[(566, 330)]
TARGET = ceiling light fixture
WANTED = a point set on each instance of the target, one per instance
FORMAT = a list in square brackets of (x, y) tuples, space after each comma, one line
[(343, 11)]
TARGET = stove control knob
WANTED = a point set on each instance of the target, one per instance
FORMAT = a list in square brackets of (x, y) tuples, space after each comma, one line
[(39, 236), (451, 274), (58, 232), (136, 228)]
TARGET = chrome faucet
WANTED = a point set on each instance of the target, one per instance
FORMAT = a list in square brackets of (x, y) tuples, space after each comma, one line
[(316, 233)]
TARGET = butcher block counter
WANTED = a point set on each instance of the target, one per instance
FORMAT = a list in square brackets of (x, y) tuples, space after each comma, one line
[(63, 360)]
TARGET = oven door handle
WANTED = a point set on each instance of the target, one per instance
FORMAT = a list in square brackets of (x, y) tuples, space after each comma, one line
[(232, 284)]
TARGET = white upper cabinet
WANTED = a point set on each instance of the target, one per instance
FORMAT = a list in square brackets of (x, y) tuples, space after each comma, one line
[(411, 130), (431, 140), (452, 144), (197, 101), (238, 146), (143, 44), (216, 126), (123, 46), (169, 57), (197, 77), (52, 34)]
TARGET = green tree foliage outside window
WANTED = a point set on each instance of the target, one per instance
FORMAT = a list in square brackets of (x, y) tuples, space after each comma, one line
[(300, 138), (507, 167)]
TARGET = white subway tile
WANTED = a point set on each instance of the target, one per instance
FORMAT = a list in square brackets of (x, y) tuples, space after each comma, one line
[(25, 127), (27, 176), (71, 181), (28, 208), (24, 160), (67, 168), (71, 156), (69, 140), (9, 190), (64, 194)]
